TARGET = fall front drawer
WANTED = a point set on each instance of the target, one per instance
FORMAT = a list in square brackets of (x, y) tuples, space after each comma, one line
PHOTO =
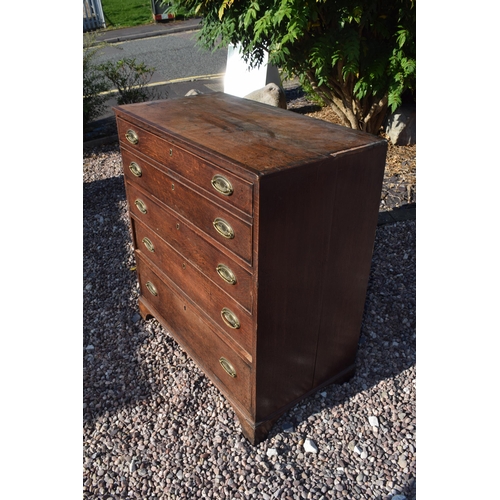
[(196, 336)]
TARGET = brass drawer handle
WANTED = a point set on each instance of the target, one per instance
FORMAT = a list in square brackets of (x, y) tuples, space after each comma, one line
[(223, 228), (131, 136), (135, 169), (226, 274), (148, 244), (222, 185), (141, 206), (228, 367), (151, 288), (230, 318)]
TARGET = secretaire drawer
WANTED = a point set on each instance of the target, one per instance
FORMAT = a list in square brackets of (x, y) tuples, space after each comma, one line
[(195, 335), (226, 185), (214, 220)]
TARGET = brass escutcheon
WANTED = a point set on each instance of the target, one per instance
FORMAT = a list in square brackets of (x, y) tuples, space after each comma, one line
[(222, 185), (135, 169), (151, 288), (223, 228), (131, 136), (228, 367), (226, 274), (230, 318), (148, 244), (141, 206)]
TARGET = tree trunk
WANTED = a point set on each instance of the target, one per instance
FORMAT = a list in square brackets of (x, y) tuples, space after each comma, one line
[(367, 114)]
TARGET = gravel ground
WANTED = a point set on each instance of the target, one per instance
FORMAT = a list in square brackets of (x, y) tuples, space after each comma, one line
[(156, 428)]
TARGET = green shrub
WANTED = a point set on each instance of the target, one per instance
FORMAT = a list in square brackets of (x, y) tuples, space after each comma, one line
[(94, 82), (358, 56), (130, 79)]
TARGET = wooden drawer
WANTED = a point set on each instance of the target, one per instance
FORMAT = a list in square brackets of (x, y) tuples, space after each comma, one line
[(194, 168), (199, 210), (197, 286), (196, 337)]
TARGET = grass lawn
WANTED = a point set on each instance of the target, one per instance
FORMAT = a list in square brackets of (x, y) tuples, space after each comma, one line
[(123, 13)]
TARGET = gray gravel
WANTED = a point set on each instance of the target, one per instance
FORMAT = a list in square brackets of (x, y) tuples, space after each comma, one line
[(156, 428)]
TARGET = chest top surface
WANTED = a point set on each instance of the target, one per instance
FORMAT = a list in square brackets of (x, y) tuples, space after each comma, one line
[(258, 137)]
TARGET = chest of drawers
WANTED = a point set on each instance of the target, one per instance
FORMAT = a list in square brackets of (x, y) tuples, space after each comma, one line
[(253, 229)]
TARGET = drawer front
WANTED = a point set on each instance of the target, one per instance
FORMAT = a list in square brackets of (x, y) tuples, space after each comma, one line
[(196, 337), (213, 301), (194, 207), (226, 185)]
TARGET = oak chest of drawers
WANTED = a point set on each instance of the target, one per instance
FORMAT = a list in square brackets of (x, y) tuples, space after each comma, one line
[(253, 230)]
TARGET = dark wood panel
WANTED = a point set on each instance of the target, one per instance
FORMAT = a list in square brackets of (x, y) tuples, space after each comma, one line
[(347, 266), (292, 246)]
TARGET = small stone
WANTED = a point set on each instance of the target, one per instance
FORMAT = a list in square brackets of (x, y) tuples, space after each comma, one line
[(310, 446), (142, 472), (358, 450), (90, 347), (272, 452), (180, 475), (360, 478), (136, 317), (364, 454), (373, 421), (402, 462), (323, 394), (398, 497), (287, 427)]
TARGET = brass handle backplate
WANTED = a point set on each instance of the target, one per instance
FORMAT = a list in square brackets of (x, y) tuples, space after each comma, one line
[(151, 288), (141, 206), (131, 136), (228, 367), (222, 185), (148, 244), (223, 228), (230, 318), (135, 169), (226, 274)]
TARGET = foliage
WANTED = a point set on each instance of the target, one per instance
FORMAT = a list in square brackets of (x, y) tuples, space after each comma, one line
[(94, 83), (130, 78), (359, 56), (123, 13)]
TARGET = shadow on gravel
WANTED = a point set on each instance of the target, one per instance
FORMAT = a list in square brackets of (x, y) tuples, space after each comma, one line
[(112, 334)]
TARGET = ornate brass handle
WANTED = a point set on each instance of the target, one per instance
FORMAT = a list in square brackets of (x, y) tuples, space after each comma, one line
[(223, 228), (141, 206), (135, 169), (222, 185), (230, 318), (228, 367), (148, 244), (131, 136), (151, 288), (226, 274)]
